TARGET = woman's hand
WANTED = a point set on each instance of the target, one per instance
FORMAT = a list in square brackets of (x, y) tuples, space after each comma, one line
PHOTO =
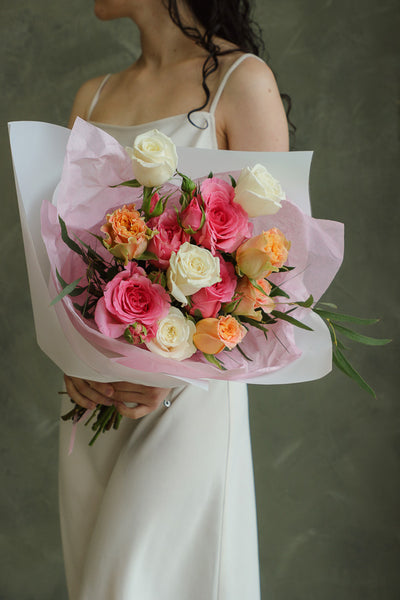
[(120, 393)]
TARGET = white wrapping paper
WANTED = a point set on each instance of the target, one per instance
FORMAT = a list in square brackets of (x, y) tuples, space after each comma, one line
[(38, 151)]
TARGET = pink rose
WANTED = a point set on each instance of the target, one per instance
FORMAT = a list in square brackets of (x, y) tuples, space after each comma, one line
[(169, 238), (192, 215), (208, 300), (130, 297), (227, 224)]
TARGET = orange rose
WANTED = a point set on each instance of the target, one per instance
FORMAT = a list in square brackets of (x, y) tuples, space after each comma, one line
[(252, 298), (206, 337), (230, 331), (262, 254), (213, 335), (127, 233)]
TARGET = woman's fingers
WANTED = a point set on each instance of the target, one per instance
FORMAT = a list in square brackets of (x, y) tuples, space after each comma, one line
[(141, 394), (88, 393), (146, 398), (136, 412), (130, 399)]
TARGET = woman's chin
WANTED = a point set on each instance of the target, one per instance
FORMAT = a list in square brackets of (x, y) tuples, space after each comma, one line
[(103, 12)]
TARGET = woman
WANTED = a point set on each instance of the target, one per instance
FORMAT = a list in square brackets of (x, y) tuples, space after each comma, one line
[(164, 508)]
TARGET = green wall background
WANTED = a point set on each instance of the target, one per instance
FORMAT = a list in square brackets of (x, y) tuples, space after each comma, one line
[(325, 453)]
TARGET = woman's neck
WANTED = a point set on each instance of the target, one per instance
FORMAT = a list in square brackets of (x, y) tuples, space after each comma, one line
[(162, 42)]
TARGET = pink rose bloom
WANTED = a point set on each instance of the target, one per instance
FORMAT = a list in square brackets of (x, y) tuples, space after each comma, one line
[(169, 238), (192, 215), (130, 297), (208, 300), (227, 224)]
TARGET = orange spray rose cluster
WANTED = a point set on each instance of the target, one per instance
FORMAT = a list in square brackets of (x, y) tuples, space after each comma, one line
[(127, 233)]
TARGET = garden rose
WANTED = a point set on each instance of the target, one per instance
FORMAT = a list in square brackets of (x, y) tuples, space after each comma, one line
[(169, 238), (262, 254), (127, 233), (227, 224), (208, 300), (154, 158), (230, 331), (130, 297), (174, 338), (252, 298), (190, 269), (213, 335), (258, 192)]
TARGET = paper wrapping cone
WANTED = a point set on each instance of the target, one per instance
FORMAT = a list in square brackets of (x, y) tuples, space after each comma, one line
[(38, 151)]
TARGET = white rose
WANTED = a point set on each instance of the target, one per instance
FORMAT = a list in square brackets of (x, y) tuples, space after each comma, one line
[(190, 269), (174, 337), (154, 158), (257, 192)]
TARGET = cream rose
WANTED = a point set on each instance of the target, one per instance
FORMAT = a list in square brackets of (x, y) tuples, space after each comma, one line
[(174, 337), (154, 158), (257, 192), (191, 269)]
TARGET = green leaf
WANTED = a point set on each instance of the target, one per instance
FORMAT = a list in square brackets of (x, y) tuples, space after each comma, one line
[(285, 269), (277, 291), (77, 291), (343, 318), (147, 256), (258, 287), (251, 321), (256, 324), (358, 337), (134, 183), (67, 240), (285, 317), (91, 251), (210, 175), (66, 291), (214, 360), (98, 237), (328, 304), (243, 354), (343, 364), (307, 303), (233, 181)]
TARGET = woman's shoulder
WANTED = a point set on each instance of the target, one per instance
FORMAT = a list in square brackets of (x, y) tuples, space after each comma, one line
[(84, 98), (247, 70), (251, 91)]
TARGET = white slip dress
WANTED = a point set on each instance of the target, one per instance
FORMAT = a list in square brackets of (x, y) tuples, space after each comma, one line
[(164, 508)]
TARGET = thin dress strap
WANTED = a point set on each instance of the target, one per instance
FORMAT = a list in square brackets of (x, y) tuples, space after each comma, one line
[(226, 77), (97, 95)]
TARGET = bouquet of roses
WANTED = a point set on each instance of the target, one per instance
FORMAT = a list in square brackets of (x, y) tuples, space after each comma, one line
[(183, 273), (209, 272)]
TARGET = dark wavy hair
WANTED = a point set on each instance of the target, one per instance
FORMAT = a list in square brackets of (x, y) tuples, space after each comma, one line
[(227, 19)]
